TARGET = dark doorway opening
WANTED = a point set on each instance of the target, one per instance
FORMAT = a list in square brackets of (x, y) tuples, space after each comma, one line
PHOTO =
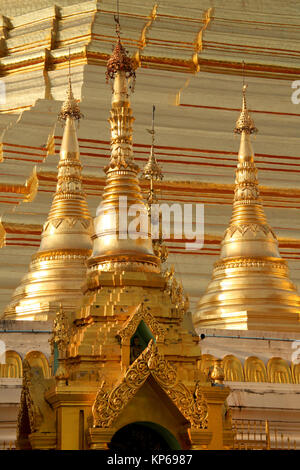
[(143, 437)]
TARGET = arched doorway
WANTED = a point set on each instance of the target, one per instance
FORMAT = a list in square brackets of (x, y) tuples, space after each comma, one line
[(143, 437)]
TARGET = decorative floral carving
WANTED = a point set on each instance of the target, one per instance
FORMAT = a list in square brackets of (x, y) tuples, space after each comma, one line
[(176, 292), (246, 173), (60, 254), (70, 107), (244, 228), (250, 263), (61, 332), (201, 406), (247, 192), (108, 405), (160, 249), (119, 61), (245, 122), (34, 414), (142, 313), (246, 189), (217, 373), (121, 120), (119, 266)]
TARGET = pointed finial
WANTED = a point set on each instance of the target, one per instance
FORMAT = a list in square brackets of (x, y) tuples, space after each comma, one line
[(70, 106), (152, 170), (117, 21), (245, 122), (119, 61)]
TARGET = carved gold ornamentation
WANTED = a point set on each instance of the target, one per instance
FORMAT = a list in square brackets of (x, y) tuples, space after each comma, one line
[(201, 406), (175, 290), (160, 249), (244, 228), (279, 371), (217, 375), (121, 120), (245, 122), (296, 373), (69, 221), (119, 61), (59, 254), (142, 313), (109, 404), (206, 366), (70, 107), (233, 369), (152, 172), (34, 414), (255, 370), (61, 332), (119, 266), (251, 263), (61, 335), (21, 418)]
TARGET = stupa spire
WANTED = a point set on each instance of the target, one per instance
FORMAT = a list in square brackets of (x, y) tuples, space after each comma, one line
[(115, 248), (250, 288), (58, 269), (70, 107), (245, 122), (153, 172), (248, 213)]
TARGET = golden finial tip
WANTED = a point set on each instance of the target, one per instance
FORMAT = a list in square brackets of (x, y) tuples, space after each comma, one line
[(119, 61), (152, 170), (70, 106), (245, 122)]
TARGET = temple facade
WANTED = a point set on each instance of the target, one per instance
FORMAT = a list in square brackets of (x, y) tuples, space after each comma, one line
[(123, 302)]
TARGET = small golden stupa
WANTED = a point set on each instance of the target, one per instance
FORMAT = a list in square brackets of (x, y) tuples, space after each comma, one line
[(128, 375), (58, 269), (250, 286)]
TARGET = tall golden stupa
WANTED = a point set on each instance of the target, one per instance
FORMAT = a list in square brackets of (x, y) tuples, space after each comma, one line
[(250, 288), (57, 270)]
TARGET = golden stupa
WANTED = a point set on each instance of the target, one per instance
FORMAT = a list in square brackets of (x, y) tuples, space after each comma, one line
[(58, 269), (128, 375), (250, 287), (112, 248)]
